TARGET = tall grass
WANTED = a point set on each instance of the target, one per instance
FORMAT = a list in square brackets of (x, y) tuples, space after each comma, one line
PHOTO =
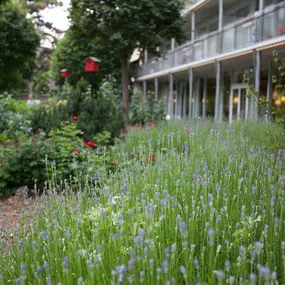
[(201, 204)]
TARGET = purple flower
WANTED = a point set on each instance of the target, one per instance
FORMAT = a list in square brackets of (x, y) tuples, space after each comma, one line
[(165, 266), (65, 261)]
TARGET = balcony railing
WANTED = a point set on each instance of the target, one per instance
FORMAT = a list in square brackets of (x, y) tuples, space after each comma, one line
[(246, 32)]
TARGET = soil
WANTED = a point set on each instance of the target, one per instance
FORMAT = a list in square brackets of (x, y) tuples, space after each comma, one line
[(12, 210)]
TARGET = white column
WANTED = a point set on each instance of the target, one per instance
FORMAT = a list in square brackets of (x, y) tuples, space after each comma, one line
[(184, 100), (144, 89), (156, 88), (221, 13), (238, 105), (190, 75), (193, 27), (172, 44), (269, 90), (204, 97), (254, 102), (197, 98), (218, 84), (231, 106), (221, 98), (145, 56), (170, 96), (231, 102), (261, 5), (175, 95), (180, 100)]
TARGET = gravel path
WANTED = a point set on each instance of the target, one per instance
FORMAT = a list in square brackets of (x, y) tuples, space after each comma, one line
[(12, 209)]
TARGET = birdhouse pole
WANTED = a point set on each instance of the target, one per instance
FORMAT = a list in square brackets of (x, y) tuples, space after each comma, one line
[(92, 66)]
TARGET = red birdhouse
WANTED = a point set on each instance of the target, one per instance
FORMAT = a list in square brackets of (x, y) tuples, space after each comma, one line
[(64, 73), (92, 64)]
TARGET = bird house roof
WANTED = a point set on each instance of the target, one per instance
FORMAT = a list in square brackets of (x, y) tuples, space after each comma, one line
[(93, 58)]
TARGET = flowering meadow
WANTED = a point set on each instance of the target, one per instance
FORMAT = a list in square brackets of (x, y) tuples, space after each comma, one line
[(187, 204)]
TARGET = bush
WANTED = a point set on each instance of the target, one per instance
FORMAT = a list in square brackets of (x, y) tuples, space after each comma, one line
[(50, 116), (96, 114), (23, 163), (14, 117), (144, 110)]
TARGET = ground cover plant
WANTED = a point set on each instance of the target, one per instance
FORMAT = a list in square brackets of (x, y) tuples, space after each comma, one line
[(187, 204)]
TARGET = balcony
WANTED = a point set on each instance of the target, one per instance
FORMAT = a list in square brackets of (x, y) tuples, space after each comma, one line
[(244, 33)]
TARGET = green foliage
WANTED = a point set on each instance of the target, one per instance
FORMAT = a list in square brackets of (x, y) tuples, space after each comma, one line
[(70, 54), (275, 113), (23, 163), (95, 115), (14, 119), (144, 110), (121, 26), (41, 82), (65, 140), (49, 117), (18, 44), (208, 210)]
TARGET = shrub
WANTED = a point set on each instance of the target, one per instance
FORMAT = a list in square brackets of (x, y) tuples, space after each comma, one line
[(14, 117), (144, 110), (23, 163)]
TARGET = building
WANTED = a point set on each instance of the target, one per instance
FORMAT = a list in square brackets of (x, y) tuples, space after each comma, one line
[(204, 77)]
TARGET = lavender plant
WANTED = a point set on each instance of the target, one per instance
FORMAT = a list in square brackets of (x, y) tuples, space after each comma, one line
[(206, 207)]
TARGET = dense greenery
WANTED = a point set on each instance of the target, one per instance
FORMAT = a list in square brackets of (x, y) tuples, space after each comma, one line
[(146, 110), (70, 54), (18, 44), (60, 130), (188, 204), (121, 26)]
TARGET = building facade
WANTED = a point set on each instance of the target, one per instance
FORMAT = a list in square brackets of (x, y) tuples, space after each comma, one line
[(225, 39)]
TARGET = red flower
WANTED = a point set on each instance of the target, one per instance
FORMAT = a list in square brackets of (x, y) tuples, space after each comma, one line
[(74, 118), (132, 155), (38, 131), (124, 131), (137, 125), (150, 124), (77, 152), (90, 144), (115, 163), (150, 158), (281, 29)]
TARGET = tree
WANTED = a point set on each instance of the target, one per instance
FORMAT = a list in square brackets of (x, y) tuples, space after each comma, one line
[(18, 45), (46, 29), (70, 54), (121, 26)]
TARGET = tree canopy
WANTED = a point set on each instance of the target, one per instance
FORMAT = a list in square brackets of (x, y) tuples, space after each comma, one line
[(18, 45), (70, 54), (121, 26)]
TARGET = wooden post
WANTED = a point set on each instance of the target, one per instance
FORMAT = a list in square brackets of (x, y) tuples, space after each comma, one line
[(218, 84), (170, 96), (190, 75)]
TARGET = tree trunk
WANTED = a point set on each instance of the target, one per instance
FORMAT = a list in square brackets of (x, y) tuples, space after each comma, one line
[(125, 90), (30, 90)]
